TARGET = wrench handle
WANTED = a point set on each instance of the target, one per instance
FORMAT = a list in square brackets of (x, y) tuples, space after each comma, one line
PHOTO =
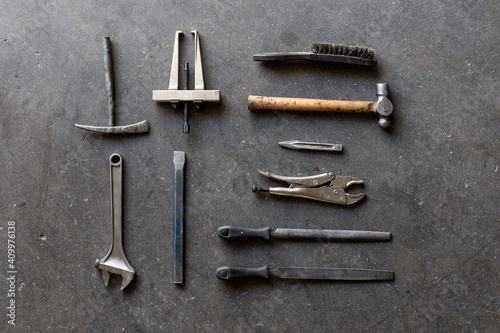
[(306, 104), (115, 163), (108, 66)]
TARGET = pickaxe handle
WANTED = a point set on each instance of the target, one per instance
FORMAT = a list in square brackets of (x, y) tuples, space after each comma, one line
[(108, 66), (306, 104)]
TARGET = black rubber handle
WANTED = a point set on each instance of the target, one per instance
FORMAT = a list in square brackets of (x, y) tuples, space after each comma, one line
[(230, 273), (230, 232)]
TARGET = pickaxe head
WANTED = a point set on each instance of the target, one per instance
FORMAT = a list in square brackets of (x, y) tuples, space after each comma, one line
[(384, 105), (141, 127)]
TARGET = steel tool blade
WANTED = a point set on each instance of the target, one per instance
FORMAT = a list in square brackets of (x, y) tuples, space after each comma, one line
[(234, 232), (332, 235), (305, 273), (346, 274)]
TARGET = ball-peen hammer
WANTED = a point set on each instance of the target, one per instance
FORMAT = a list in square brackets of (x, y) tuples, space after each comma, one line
[(383, 106)]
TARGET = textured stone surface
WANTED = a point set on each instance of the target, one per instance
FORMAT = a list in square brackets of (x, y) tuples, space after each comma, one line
[(432, 180)]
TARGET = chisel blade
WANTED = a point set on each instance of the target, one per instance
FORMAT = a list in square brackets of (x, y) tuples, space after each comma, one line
[(340, 274)]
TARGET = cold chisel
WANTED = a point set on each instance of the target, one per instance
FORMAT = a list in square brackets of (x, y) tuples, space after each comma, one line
[(179, 163), (233, 232), (302, 145)]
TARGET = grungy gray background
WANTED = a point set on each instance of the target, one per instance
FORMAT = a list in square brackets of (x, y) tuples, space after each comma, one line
[(432, 180)]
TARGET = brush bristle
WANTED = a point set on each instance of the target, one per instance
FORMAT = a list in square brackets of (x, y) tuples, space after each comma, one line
[(345, 50)]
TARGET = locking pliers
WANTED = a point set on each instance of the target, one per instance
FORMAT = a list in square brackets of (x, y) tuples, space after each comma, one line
[(325, 187)]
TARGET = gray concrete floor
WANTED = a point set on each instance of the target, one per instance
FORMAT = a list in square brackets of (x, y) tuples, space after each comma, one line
[(432, 180)]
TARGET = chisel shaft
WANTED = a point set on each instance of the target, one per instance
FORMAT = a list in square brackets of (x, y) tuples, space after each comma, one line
[(179, 162)]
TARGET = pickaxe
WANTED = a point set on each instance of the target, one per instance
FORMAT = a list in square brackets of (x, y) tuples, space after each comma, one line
[(141, 127), (383, 106)]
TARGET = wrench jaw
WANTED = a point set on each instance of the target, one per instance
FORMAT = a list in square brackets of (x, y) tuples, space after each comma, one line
[(116, 265), (105, 277)]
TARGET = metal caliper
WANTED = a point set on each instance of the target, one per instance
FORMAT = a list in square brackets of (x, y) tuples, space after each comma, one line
[(199, 95)]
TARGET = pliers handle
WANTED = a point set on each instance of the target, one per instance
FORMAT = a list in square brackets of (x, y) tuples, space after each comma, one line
[(310, 181)]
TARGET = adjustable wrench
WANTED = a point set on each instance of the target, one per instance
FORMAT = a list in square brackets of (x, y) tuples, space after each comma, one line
[(115, 261)]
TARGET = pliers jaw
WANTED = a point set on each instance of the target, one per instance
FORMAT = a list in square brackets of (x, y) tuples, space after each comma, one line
[(325, 187)]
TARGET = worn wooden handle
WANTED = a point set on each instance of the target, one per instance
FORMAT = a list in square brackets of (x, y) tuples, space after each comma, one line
[(305, 104)]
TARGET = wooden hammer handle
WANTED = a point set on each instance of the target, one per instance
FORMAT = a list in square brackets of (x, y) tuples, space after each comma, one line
[(305, 104)]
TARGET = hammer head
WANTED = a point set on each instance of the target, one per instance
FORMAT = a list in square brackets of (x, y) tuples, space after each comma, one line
[(384, 104)]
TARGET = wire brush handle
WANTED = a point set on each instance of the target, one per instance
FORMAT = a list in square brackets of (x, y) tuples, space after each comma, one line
[(306, 104)]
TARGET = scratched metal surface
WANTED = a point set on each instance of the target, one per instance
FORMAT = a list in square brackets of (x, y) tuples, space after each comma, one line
[(432, 180)]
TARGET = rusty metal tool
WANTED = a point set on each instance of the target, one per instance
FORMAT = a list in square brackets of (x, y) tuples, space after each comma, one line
[(383, 106), (140, 127), (198, 95), (299, 145), (179, 163), (325, 187), (304, 273), (115, 261), (241, 233)]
